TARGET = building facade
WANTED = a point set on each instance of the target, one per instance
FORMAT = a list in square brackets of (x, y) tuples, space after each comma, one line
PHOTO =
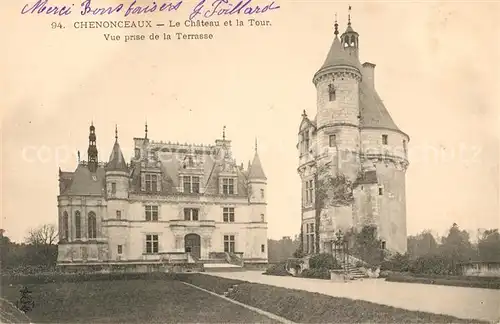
[(354, 139), (171, 203)]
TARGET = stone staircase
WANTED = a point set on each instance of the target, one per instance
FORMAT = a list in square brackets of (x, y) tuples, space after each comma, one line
[(223, 262)]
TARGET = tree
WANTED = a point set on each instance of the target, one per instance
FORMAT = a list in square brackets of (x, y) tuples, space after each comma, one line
[(422, 244), (489, 245), (367, 246), (43, 235), (456, 246)]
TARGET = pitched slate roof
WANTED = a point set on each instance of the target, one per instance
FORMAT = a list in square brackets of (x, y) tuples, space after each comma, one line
[(86, 183), (372, 110), (116, 160), (338, 57), (256, 171)]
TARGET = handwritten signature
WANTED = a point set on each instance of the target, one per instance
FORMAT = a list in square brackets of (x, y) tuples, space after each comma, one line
[(216, 8)]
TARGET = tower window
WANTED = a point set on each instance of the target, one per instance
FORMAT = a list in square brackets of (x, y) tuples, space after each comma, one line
[(263, 248), (262, 218), (306, 141), (137, 153), (353, 40), (331, 92), (113, 187), (118, 214), (120, 249), (262, 193), (78, 225), (332, 139), (404, 146), (384, 139), (380, 191)]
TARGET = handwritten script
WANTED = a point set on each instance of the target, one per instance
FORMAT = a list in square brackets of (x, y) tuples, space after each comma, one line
[(202, 9)]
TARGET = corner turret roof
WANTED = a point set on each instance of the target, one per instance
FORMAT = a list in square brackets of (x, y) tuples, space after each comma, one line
[(116, 160), (256, 171)]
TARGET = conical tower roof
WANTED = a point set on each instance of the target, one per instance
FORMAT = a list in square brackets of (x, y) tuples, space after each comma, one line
[(116, 159), (256, 172)]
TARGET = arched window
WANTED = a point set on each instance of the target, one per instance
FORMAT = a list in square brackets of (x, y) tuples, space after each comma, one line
[(78, 225), (92, 223), (353, 40), (65, 226)]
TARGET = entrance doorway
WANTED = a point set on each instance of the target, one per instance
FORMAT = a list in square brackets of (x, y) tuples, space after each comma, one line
[(192, 245)]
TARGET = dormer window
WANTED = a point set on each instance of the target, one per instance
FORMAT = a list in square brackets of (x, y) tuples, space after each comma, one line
[(331, 92), (228, 186), (151, 182), (191, 184), (306, 141)]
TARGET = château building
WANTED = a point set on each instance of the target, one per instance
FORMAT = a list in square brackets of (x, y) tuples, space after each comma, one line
[(353, 138), (172, 204)]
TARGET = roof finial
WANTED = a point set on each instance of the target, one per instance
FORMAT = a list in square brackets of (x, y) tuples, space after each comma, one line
[(224, 133), (336, 26), (256, 145), (116, 132), (78, 157), (349, 17), (146, 130)]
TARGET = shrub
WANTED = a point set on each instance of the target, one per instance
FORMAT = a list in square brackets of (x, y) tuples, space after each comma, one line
[(321, 273), (323, 261), (277, 270)]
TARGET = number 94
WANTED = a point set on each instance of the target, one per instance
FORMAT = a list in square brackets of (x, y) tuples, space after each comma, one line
[(55, 25)]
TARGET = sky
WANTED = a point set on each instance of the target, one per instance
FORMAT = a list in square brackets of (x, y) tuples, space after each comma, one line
[(433, 71)]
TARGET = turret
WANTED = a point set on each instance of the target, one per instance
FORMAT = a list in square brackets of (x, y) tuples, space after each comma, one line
[(117, 173), (337, 86), (257, 180), (350, 39)]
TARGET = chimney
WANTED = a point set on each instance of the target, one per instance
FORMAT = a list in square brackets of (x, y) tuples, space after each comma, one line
[(368, 73)]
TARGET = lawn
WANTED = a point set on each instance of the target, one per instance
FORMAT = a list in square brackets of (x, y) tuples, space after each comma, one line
[(130, 301)]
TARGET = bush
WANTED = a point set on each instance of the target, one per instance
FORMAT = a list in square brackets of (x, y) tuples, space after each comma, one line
[(323, 261), (277, 270), (320, 273)]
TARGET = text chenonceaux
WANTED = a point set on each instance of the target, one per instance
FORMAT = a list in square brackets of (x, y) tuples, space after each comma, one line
[(201, 9), (111, 24)]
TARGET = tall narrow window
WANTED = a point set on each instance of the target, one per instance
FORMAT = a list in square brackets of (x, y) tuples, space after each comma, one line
[(120, 249), (384, 139), (113, 187), (229, 244), (309, 191), (262, 248), (306, 141), (151, 243), (228, 214), (331, 92), (196, 185), (118, 214), (151, 182), (92, 225), (78, 225), (332, 139), (151, 213), (228, 186), (404, 146), (262, 218), (380, 191), (65, 224), (191, 214), (187, 184), (262, 193)]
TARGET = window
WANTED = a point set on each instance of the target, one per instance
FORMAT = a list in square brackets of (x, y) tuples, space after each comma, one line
[(228, 186), (151, 213), (384, 139), (306, 141), (380, 191), (262, 218), (262, 193), (383, 245), (151, 243), (228, 214), (262, 248), (78, 225), (120, 249), (113, 187), (404, 146), (151, 182), (190, 214), (137, 153), (191, 184), (229, 244), (92, 225), (332, 140), (309, 191), (310, 238), (118, 214), (65, 224), (331, 92)]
